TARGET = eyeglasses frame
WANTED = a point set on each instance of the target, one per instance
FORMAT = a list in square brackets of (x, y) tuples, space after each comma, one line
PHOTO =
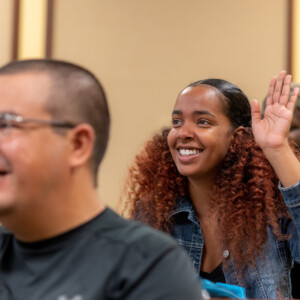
[(9, 117)]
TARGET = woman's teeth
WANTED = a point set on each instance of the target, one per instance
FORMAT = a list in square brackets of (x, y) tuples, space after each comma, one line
[(186, 152)]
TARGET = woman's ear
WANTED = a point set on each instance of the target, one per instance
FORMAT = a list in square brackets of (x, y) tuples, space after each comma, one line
[(82, 139), (237, 131)]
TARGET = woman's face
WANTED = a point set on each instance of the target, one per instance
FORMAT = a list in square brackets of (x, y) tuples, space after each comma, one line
[(201, 133)]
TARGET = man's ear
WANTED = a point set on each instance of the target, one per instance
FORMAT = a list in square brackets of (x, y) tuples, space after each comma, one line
[(82, 139)]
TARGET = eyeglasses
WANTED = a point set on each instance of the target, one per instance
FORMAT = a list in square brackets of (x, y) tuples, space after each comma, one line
[(9, 121)]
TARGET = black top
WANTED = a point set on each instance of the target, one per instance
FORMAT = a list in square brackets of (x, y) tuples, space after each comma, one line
[(106, 258), (217, 275), (295, 279)]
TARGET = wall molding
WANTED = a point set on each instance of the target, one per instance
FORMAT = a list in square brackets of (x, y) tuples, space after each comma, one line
[(16, 34)]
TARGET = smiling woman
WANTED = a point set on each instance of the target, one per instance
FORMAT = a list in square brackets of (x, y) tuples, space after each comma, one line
[(209, 181), (199, 139)]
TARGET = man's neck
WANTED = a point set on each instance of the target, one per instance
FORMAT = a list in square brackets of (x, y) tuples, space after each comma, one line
[(55, 216)]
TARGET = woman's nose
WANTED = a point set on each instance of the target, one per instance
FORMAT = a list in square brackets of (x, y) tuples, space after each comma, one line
[(186, 132)]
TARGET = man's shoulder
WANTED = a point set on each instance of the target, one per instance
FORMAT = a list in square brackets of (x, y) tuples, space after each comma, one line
[(149, 264), (5, 236), (132, 233), (4, 232)]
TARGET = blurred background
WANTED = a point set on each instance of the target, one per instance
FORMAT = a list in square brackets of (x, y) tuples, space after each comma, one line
[(145, 52)]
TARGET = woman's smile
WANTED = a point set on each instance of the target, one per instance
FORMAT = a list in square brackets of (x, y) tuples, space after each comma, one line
[(201, 132)]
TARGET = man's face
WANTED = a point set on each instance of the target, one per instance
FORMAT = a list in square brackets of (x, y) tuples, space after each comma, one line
[(32, 158)]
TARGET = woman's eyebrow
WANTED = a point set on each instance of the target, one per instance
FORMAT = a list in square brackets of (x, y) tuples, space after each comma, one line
[(197, 112), (203, 112)]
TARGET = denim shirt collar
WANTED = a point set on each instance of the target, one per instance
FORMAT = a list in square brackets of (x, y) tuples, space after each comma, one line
[(185, 209)]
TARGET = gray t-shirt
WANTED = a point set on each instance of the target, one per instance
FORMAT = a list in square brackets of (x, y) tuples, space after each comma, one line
[(106, 258)]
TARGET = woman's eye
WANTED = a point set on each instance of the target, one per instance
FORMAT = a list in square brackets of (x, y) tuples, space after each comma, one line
[(203, 122), (176, 122)]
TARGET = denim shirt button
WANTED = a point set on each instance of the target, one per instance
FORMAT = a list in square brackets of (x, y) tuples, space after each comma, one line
[(225, 253)]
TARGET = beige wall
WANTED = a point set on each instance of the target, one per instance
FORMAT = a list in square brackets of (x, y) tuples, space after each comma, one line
[(6, 15), (145, 52)]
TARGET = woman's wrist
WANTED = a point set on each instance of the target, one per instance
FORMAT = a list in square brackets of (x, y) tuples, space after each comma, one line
[(284, 163)]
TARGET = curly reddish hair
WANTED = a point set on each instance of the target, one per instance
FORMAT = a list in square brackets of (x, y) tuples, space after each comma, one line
[(245, 194)]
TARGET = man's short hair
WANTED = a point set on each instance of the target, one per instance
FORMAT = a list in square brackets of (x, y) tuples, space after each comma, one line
[(75, 96)]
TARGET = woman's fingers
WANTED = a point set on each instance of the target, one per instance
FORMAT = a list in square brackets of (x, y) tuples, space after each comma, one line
[(271, 91), (285, 93), (292, 101), (278, 86)]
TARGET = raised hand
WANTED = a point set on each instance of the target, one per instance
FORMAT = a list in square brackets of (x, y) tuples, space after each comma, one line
[(271, 132)]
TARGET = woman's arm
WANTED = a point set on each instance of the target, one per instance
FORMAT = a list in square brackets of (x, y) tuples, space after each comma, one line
[(271, 132)]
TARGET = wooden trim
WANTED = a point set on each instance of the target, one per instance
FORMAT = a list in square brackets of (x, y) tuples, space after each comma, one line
[(15, 29), (290, 37), (49, 28)]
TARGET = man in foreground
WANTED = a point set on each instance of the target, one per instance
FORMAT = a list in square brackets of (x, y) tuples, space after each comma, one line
[(58, 240)]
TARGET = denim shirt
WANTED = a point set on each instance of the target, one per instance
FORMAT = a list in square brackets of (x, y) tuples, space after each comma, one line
[(269, 277)]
